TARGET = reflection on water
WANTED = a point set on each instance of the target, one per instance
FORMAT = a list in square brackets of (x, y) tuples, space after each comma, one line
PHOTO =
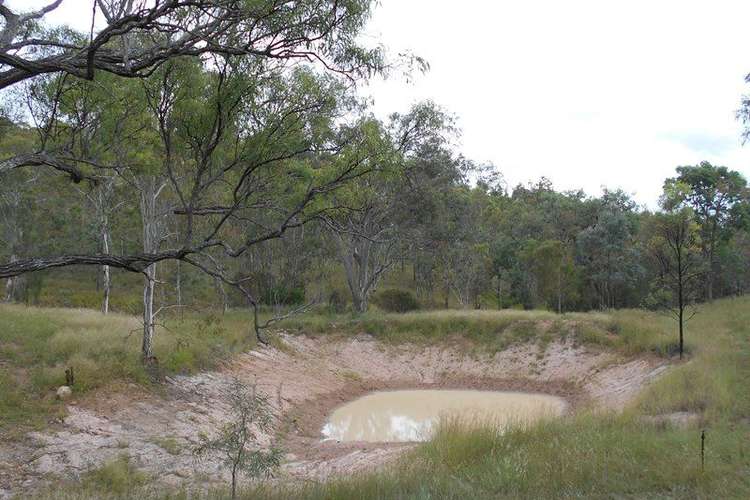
[(411, 415)]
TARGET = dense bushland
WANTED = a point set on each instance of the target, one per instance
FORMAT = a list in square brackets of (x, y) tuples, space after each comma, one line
[(395, 300)]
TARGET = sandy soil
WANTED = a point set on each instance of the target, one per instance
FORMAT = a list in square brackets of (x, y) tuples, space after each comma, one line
[(304, 382)]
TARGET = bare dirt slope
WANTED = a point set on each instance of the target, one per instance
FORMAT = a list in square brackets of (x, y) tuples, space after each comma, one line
[(305, 382)]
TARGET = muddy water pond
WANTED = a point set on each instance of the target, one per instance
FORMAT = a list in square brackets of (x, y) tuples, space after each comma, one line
[(412, 415)]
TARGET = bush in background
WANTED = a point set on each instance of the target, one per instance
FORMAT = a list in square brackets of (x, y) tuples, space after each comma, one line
[(336, 302), (282, 295), (395, 300)]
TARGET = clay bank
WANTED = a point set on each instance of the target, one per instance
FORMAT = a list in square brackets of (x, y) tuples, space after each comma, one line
[(324, 428)]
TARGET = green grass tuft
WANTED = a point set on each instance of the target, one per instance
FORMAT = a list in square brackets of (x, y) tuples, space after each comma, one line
[(38, 344)]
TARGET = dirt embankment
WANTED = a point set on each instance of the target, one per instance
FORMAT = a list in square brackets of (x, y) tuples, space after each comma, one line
[(304, 382)]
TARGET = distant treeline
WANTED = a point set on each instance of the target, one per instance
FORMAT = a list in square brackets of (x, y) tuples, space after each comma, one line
[(435, 226), (217, 153)]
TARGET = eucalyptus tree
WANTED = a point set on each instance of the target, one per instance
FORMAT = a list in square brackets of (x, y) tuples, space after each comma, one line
[(555, 276), (610, 258), (137, 36), (718, 197), (436, 180), (13, 197), (464, 256), (107, 126), (132, 38), (675, 247), (245, 155), (244, 166), (237, 156), (89, 121), (364, 227), (375, 222)]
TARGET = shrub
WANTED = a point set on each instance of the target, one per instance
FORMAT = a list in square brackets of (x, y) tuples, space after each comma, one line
[(118, 477), (336, 302), (395, 300), (282, 295), (235, 445)]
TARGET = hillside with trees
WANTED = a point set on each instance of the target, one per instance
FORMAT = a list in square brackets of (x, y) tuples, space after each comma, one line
[(198, 188)]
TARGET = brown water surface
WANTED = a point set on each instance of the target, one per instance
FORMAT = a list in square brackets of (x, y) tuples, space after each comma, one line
[(411, 415)]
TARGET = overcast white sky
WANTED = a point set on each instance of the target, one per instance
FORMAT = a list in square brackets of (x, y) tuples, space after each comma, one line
[(585, 92)]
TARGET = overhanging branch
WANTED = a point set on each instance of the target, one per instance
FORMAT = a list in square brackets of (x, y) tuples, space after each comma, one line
[(44, 159)]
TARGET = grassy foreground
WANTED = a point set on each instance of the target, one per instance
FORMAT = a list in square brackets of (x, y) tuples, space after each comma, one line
[(597, 456), (588, 455)]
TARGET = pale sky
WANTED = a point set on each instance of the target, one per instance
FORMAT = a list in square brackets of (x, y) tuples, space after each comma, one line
[(586, 92)]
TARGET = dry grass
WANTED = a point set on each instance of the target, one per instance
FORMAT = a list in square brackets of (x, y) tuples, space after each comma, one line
[(583, 456), (595, 455), (38, 344), (630, 331)]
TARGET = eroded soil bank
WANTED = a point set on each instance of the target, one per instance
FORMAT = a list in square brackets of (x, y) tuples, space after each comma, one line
[(305, 382)]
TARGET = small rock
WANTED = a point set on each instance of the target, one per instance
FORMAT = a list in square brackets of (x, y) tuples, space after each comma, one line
[(64, 392), (182, 473), (290, 457)]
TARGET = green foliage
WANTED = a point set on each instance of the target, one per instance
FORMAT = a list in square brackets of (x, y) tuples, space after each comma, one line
[(118, 477), (719, 200), (553, 271), (169, 444), (710, 190), (336, 302), (281, 295), (236, 442), (612, 261), (395, 300), (629, 331)]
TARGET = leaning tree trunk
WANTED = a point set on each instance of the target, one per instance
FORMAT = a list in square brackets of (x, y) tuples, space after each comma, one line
[(178, 285), (10, 284), (148, 312), (681, 301), (356, 270), (710, 277), (222, 295), (359, 301), (152, 236), (106, 279)]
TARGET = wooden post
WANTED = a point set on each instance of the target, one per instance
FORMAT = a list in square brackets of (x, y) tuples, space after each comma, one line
[(69, 377), (703, 449)]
